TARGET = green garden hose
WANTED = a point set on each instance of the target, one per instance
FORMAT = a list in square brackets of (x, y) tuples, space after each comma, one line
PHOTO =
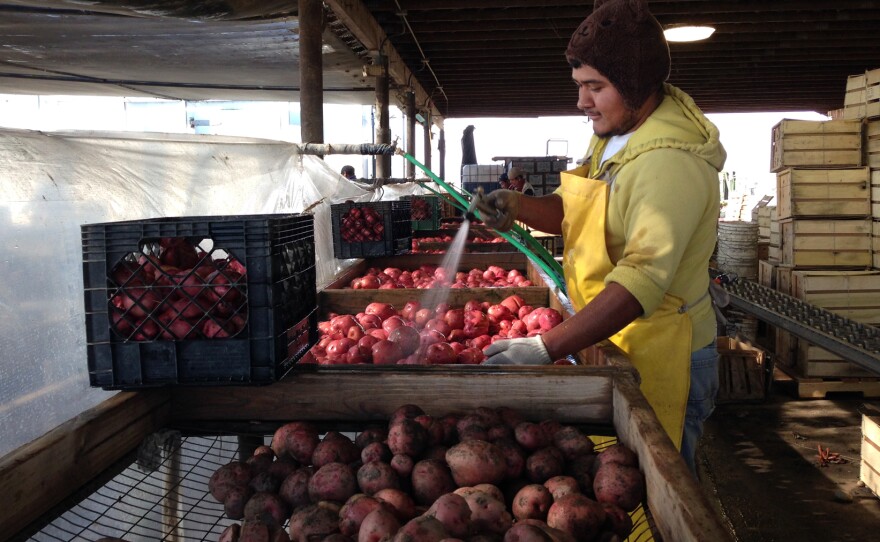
[(526, 244)]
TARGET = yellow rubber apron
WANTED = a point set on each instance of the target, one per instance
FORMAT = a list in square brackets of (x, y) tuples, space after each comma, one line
[(658, 346)]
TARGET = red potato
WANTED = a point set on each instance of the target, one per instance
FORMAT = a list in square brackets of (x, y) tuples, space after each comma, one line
[(476, 462), (531, 436), (555, 534), (267, 508), (233, 474), (375, 476), (581, 469), (514, 457), (617, 520), (577, 515), (431, 479), (263, 481), (453, 512), (282, 468), (296, 440), (375, 451), (294, 489), (544, 464), (380, 524), (335, 448), (572, 442), (353, 512), (488, 514), (532, 502), (334, 482), (370, 434), (436, 452), (407, 437), (421, 529), (402, 465), (523, 532), (491, 490), (560, 486), (617, 453), (402, 504), (621, 485), (313, 522), (229, 534), (236, 499)]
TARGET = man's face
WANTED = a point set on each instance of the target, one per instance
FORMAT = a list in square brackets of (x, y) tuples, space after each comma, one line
[(600, 101), (517, 184)]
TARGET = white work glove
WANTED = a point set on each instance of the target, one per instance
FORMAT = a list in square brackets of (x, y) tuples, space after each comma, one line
[(499, 208), (530, 351)]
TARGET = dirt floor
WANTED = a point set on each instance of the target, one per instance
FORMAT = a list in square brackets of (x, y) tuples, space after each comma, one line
[(759, 463)]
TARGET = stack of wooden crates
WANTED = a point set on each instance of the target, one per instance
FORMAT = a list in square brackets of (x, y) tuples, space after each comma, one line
[(824, 234)]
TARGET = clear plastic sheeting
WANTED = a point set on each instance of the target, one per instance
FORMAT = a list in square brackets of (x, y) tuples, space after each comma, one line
[(52, 183)]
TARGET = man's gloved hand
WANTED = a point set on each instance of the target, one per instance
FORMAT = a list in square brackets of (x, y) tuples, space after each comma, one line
[(530, 351), (499, 208)]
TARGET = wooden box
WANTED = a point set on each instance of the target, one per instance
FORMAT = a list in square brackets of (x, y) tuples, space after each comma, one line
[(852, 294), (744, 372), (872, 145), (872, 94), (807, 143), (869, 471), (826, 243), (824, 193), (854, 99), (875, 243), (767, 274)]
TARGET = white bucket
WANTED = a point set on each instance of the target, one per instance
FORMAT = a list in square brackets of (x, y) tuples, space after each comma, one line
[(738, 249)]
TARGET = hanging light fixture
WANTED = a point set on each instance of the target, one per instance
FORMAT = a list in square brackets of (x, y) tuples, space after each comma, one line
[(685, 32)]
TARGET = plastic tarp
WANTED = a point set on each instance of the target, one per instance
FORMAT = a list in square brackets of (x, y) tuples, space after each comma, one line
[(52, 183)]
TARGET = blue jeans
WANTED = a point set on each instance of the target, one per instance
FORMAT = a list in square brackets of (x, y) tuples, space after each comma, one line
[(701, 400)]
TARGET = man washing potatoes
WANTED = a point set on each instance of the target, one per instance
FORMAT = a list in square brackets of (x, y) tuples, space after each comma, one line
[(638, 221)]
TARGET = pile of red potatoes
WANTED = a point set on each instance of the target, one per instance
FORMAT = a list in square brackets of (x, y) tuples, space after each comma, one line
[(488, 474)]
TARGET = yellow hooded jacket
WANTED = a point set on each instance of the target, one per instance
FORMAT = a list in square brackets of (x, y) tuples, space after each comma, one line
[(663, 209)]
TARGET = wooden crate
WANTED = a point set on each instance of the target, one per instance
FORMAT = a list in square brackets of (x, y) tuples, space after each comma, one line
[(872, 146), (767, 274), (826, 243), (744, 372), (854, 99), (852, 294), (872, 94), (875, 244), (823, 193), (869, 470), (807, 143)]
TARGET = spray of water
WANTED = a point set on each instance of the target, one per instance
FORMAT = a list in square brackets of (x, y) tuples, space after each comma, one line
[(435, 296)]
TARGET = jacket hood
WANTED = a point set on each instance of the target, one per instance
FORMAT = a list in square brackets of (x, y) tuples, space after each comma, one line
[(676, 124)]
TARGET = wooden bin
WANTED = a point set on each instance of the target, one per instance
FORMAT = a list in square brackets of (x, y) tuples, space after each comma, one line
[(826, 243), (808, 143), (872, 147), (823, 193), (869, 471), (854, 99), (872, 93), (852, 294), (744, 372)]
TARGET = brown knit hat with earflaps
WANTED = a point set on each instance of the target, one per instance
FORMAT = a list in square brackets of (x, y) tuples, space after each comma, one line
[(625, 43)]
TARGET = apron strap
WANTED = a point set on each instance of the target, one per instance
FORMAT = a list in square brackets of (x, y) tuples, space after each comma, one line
[(688, 306)]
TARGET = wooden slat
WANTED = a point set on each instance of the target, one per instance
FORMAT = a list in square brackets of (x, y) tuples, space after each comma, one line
[(823, 193), (566, 393), (677, 503), (42, 473)]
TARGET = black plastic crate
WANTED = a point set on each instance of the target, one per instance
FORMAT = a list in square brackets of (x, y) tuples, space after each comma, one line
[(394, 238), (252, 337), (430, 222)]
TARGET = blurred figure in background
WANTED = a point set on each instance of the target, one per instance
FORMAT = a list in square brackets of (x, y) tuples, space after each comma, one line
[(518, 181), (348, 173)]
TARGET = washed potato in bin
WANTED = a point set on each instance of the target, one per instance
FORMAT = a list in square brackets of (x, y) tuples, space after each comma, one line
[(175, 289)]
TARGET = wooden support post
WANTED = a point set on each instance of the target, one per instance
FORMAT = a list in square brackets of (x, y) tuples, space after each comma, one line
[(427, 133), (383, 127), (410, 133), (311, 19), (441, 148)]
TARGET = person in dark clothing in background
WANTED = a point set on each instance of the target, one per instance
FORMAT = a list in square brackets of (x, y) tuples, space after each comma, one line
[(348, 173)]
